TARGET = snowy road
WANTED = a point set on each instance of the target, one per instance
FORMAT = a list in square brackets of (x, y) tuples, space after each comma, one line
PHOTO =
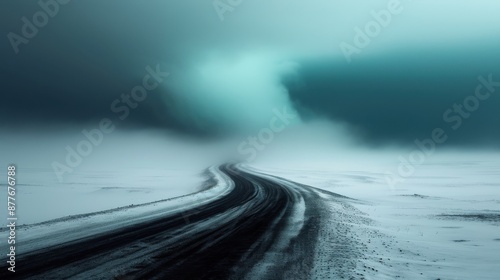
[(252, 230)]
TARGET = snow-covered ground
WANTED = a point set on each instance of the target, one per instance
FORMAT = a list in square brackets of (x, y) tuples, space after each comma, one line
[(40, 197), (127, 168), (443, 222), (35, 236)]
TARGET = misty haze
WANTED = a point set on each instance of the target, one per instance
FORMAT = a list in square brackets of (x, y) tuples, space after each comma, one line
[(233, 139)]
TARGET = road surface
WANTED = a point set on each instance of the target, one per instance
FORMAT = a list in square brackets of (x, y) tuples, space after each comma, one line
[(264, 228)]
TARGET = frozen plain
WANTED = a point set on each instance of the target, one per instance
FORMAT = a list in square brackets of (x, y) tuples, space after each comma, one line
[(441, 223)]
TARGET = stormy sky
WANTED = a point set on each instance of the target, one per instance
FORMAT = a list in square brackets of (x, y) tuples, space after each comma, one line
[(229, 69)]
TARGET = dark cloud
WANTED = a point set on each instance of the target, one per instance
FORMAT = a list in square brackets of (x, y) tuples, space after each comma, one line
[(401, 96), (84, 58), (93, 51)]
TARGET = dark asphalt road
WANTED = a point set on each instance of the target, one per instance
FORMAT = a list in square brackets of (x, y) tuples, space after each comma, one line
[(223, 239)]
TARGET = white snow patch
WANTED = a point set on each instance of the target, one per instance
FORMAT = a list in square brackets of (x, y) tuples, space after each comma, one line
[(406, 236)]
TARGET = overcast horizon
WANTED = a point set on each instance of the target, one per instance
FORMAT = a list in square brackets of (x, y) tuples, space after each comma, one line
[(227, 76)]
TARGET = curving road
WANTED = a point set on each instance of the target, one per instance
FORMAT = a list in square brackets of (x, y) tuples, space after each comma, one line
[(260, 229)]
